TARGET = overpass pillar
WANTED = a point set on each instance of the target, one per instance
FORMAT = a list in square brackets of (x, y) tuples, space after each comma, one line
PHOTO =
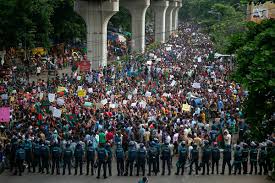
[(137, 9), (159, 8), (96, 14), (169, 19), (175, 16)]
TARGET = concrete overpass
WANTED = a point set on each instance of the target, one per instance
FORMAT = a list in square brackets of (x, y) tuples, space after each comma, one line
[(97, 13)]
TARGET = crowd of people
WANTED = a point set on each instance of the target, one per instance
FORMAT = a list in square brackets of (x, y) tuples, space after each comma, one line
[(173, 101)]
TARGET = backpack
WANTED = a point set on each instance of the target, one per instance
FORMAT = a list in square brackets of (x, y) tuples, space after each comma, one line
[(101, 154), (132, 154), (44, 151), (21, 154), (153, 152), (195, 154), (119, 153), (141, 154), (68, 153), (182, 153), (56, 152), (90, 153), (166, 153), (36, 149)]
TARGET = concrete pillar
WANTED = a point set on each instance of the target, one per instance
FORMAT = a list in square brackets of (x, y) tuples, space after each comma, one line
[(96, 14), (137, 9), (175, 16), (159, 8), (169, 19)]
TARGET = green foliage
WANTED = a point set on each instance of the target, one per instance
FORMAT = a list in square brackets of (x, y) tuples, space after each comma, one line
[(220, 18), (26, 22), (67, 24), (255, 49)]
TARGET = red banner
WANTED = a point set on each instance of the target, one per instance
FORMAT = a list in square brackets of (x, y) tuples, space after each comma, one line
[(84, 66)]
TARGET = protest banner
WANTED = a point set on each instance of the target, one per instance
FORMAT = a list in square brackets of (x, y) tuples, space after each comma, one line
[(51, 97), (60, 101), (81, 93), (186, 107), (57, 113), (4, 114), (88, 104)]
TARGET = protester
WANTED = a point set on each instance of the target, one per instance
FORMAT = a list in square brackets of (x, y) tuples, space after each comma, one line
[(172, 94)]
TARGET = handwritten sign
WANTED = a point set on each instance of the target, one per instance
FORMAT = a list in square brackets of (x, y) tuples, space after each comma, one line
[(186, 107)]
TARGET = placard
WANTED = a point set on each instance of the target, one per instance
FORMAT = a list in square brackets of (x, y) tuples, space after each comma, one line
[(57, 113), (51, 97), (4, 114)]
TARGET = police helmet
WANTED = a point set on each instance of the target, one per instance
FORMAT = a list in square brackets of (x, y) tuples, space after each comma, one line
[(132, 143), (206, 142), (141, 145), (182, 143), (152, 144)]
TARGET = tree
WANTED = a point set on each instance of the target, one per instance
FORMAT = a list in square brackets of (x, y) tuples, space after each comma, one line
[(67, 25), (255, 55), (220, 18)]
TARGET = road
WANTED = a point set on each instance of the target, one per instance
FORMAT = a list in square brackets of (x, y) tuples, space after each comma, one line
[(29, 178), (6, 177)]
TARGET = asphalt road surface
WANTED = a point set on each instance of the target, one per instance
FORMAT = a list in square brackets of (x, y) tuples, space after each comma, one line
[(7, 177)]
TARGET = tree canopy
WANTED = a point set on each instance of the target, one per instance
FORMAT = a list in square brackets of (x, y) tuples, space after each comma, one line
[(255, 55)]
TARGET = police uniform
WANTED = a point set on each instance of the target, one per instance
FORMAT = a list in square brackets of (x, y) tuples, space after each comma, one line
[(262, 160), (102, 156), (141, 159), (166, 157), (245, 153), (45, 150), (28, 153), (253, 158), (120, 159), (131, 157), (194, 159), (109, 159), (90, 153), (78, 154), (206, 157), (182, 158), (56, 155), (237, 160), (226, 159), (152, 158), (216, 154), (67, 158), (20, 157), (36, 157)]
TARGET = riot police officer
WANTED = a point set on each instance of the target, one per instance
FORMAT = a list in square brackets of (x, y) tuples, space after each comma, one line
[(131, 157), (56, 155), (237, 160), (157, 145), (194, 159), (141, 159), (262, 159), (14, 146), (120, 155), (67, 158), (28, 152), (182, 158), (226, 159), (245, 153), (253, 158), (166, 157), (45, 153), (270, 154), (90, 154), (78, 155), (109, 159), (216, 154), (20, 157), (36, 156), (152, 158), (206, 157), (102, 156)]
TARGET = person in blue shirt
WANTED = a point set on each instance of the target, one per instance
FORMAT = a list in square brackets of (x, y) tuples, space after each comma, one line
[(28, 152), (20, 158)]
